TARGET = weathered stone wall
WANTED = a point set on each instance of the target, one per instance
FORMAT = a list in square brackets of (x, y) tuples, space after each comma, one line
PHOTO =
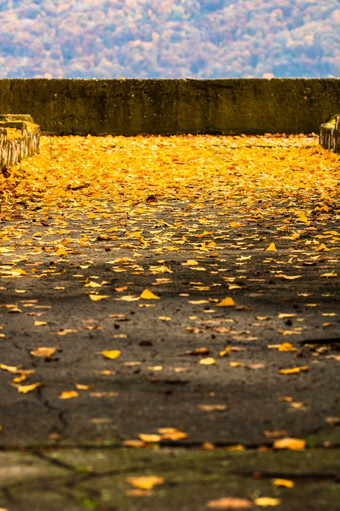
[(19, 138), (130, 107)]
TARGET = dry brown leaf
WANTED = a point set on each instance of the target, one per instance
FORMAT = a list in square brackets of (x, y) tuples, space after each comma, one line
[(213, 408)]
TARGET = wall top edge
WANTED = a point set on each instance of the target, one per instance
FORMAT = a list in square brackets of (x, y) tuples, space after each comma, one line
[(209, 80)]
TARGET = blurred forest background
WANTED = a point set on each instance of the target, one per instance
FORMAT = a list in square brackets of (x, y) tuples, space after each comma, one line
[(169, 38)]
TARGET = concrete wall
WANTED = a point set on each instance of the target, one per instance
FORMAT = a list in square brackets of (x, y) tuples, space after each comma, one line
[(130, 107)]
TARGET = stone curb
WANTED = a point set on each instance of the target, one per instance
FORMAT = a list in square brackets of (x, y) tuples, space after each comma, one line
[(13, 147)]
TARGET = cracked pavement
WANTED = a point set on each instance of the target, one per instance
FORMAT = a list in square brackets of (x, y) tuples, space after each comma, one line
[(154, 383)]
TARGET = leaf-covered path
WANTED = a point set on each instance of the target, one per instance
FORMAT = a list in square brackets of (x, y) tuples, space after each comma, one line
[(180, 290)]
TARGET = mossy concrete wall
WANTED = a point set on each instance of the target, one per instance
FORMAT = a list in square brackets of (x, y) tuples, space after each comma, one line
[(165, 106)]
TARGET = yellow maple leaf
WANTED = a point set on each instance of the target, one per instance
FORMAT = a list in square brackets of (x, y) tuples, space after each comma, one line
[(271, 248), (148, 295)]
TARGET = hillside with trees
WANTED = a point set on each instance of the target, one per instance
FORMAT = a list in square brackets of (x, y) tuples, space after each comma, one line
[(169, 38)]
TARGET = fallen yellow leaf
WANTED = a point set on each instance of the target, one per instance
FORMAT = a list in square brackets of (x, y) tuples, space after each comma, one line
[(198, 351), (329, 275), (224, 352), (97, 298), (42, 351), (10, 369), (286, 483), (234, 364), (68, 394), (148, 295), (28, 388), (171, 434), (145, 482), (229, 503), (207, 361), (294, 370), (293, 444), (286, 346), (271, 248), (150, 438), (93, 284), (267, 502), (213, 408), (226, 302), (112, 354), (322, 248), (137, 444)]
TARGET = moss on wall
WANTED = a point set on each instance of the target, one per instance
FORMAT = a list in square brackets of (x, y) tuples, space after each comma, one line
[(165, 106)]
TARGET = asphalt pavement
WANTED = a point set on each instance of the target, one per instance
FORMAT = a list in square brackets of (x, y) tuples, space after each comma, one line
[(174, 338)]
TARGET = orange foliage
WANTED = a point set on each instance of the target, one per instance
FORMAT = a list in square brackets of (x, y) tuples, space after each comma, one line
[(85, 171)]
